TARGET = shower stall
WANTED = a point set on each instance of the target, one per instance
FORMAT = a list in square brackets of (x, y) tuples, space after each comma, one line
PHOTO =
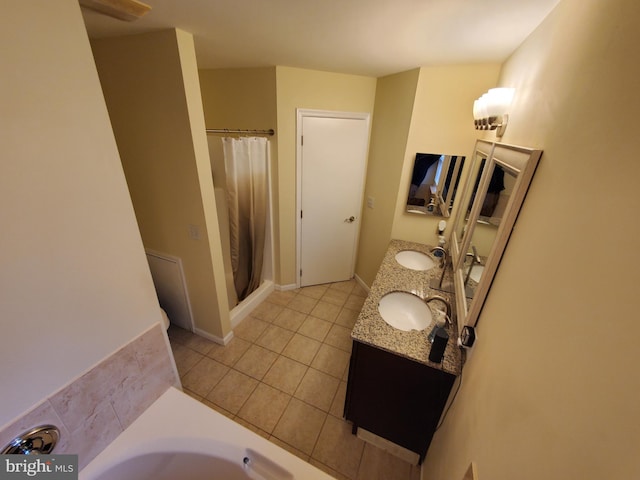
[(243, 193)]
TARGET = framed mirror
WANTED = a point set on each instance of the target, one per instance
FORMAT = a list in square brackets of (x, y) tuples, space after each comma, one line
[(479, 160), (434, 183), (483, 226)]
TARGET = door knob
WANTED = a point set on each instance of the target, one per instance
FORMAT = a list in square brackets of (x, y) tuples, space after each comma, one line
[(351, 219)]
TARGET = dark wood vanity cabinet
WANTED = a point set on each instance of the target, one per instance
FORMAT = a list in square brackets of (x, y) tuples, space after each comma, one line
[(395, 398)]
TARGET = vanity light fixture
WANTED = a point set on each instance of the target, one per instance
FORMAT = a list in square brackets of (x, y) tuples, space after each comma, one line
[(491, 110)]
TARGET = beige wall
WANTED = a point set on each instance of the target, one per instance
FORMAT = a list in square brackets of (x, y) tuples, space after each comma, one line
[(441, 122), (238, 98), (152, 91), (394, 101), (74, 282), (242, 98), (299, 88), (551, 390), (422, 110)]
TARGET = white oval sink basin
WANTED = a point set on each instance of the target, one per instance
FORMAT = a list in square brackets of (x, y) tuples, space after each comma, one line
[(405, 311), (414, 260)]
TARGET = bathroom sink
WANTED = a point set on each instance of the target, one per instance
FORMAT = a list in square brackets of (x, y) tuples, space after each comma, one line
[(405, 311), (414, 260)]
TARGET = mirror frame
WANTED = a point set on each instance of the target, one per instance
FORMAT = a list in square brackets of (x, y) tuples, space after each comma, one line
[(485, 149), (515, 160)]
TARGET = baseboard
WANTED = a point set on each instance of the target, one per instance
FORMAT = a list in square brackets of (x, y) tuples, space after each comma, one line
[(384, 444), (214, 338), (283, 288), (362, 284), (244, 308)]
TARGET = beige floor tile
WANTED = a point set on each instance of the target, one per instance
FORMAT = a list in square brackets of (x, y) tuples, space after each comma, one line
[(376, 464), (275, 338), (315, 328), (290, 319), (347, 318), (327, 470), (359, 290), (251, 427), (346, 286), (354, 302), (256, 362), (326, 311), (300, 425), (185, 358), (301, 349), (289, 448), (178, 335), (338, 448), (416, 472), (337, 406), (339, 337), (218, 408), (335, 297), (318, 389), (250, 329), (264, 407), (267, 311), (232, 391), (314, 291), (192, 394), (199, 344), (331, 360), (203, 376), (229, 354), (285, 398), (285, 374), (281, 297), (302, 304)]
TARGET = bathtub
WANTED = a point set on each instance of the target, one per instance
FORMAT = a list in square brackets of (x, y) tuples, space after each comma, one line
[(178, 437)]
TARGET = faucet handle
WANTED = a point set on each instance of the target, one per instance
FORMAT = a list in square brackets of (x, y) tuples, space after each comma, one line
[(443, 255)]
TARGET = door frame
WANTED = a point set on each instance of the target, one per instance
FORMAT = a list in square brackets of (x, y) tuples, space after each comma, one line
[(300, 114)]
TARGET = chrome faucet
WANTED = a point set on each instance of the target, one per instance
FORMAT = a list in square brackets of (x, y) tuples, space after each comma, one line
[(443, 262), (446, 304), (475, 259)]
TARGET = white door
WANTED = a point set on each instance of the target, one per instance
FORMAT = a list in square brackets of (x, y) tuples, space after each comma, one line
[(331, 160)]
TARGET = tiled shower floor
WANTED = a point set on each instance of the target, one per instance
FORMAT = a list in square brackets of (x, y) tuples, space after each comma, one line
[(283, 375)]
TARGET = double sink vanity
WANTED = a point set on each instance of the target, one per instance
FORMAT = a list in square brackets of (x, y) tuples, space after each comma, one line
[(394, 391), (397, 388)]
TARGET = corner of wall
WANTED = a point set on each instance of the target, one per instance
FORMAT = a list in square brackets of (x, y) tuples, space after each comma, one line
[(195, 111)]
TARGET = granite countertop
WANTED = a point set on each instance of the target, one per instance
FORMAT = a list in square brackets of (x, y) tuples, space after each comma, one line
[(371, 329)]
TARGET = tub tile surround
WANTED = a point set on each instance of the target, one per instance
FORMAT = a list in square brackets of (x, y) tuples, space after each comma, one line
[(293, 395), (371, 329), (94, 409)]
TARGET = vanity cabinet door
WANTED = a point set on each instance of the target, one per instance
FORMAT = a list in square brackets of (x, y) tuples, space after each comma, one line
[(395, 398)]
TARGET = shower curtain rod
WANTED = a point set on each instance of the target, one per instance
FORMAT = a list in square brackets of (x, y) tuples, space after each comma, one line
[(270, 132)]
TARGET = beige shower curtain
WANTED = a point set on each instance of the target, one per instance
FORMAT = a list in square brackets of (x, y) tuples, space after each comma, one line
[(245, 162)]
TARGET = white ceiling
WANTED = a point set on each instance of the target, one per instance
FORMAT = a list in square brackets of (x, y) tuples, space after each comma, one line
[(366, 37)]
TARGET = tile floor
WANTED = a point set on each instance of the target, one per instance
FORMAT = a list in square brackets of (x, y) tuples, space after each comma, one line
[(283, 375)]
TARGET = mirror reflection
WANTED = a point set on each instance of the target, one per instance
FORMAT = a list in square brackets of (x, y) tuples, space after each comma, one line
[(496, 199), (434, 183)]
